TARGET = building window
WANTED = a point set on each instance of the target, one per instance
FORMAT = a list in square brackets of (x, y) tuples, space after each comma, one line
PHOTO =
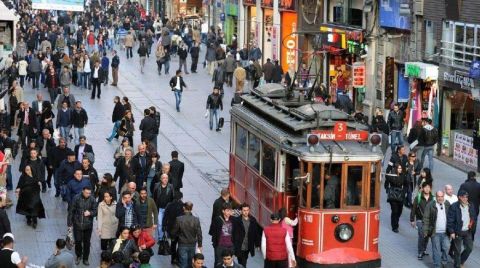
[(241, 143), (460, 43), (348, 12), (430, 39)]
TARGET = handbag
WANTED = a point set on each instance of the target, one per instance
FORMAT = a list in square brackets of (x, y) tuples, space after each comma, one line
[(69, 239), (395, 194), (164, 246)]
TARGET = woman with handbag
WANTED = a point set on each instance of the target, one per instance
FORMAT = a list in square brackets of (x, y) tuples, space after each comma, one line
[(107, 222), (127, 128), (143, 239), (396, 184)]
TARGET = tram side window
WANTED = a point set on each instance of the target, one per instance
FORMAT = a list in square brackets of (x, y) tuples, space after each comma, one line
[(354, 185), (241, 143), (292, 171), (331, 194), (268, 162), (253, 151)]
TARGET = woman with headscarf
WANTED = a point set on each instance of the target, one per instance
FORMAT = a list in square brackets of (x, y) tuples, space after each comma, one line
[(127, 246), (28, 193)]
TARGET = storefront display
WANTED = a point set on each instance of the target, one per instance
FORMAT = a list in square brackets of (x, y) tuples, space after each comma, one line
[(463, 150)]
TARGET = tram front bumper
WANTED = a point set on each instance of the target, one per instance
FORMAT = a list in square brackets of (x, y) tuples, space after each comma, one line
[(342, 257)]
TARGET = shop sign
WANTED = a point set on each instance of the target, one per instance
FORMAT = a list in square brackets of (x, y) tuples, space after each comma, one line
[(288, 49), (340, 133), (463, 150), (358, 70), (274, 42), (286, 5), (412, 70), (250, 2), (267, 3), (459, 79)]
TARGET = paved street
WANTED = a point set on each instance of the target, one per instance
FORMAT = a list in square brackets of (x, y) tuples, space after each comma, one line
[(205, 154)]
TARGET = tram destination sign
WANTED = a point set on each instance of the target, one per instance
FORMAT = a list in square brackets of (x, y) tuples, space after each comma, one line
[(340, 133)]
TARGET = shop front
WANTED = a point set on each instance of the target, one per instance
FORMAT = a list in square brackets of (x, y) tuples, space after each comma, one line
[(270, 33), (460, 115), (250, 24), (231, 20), (423, 99)]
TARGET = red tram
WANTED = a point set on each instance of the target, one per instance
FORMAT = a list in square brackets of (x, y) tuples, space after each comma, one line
[(316, 162)]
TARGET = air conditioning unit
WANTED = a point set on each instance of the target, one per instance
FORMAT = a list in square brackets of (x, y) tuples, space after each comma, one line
[(418, 7)]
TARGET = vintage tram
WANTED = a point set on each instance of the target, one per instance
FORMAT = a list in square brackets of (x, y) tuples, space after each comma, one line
[(317, 163)]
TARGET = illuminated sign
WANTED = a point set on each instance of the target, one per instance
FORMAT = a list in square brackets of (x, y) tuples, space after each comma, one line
[(288, 50), (358, 70), (340, 133)]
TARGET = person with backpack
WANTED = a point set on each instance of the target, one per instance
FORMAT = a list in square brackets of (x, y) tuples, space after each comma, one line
[(428, 138), (416, 217), (156, 115)]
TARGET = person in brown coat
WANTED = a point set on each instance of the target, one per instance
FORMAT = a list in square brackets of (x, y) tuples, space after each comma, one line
[(240, 75)]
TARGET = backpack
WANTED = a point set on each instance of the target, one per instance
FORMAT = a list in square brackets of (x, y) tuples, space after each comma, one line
[(431, 137)]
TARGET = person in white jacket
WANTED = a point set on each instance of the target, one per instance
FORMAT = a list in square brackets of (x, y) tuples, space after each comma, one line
[(22, 66)]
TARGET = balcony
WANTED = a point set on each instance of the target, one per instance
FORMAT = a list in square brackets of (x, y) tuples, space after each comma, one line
[(460, 44)]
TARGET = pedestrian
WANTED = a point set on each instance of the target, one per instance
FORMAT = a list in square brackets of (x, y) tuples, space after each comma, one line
[(182, 57), (155, 115), (77, 185), (399, 157), (5, 226), (218, 203), (416, 217), (124, 170), (129, 42), (177, 168), (218, 78), (412, 168), (79, 121), (65, 96), (210, 58), (198, 261), (64, 121), (65, 77), (395, 123), (87, 71), (277, 73), (435, 227), (60, 257), (107, 222), (214, 103), (380, 126), (246, 234), (163, 194), (228, 261), (286, 222), (142, 54), (428, 138), (89, 172), (37, 167), (160, 54), (194, 53), (27, 127), (143, 240), (35, 68), (97, 80), (28, 194), (395, 185), (126, 127), (461, 218), (257, 73), (221, 232), (472, 187), (173, 210), (188, 232), (240, 75), (127, 246), (267, 70), (177, 84), (141, 165), (57, 157), (117, 260), (106, 184), (65, 171), (81, 212), (105, 62), (276, 245), (148, 126), (148, 212), (449, 195), (115, 64), (117, 115), (127, 212), (425, 176), (154, 171), (8, 257), (230, 65)]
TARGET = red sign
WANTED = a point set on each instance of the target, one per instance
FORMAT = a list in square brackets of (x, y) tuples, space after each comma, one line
[(358, 71), (340, 133)]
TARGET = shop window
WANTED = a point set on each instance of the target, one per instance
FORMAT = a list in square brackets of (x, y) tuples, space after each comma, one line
[(354, 185), (268, 162), (241, 143), (253, 151)]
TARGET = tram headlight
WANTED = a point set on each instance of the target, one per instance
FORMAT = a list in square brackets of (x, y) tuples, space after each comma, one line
[(344, 232)]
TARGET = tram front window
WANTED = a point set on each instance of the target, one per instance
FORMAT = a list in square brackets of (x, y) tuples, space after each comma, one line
[(354, 185)]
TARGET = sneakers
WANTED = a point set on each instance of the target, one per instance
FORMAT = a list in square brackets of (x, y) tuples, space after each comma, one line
[(420, 256), (77, 261)]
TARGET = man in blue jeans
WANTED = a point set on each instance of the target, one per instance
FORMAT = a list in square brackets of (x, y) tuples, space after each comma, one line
[(177, 85), (395, 123), (428, 137), (188, 231), (435, 227), (214, 102)]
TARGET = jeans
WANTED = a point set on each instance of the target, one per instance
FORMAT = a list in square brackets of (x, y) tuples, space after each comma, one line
[(213, 112), (422, 240), (79, 79), (77, 132), (394, 135), (185, 255), (397, 208), (167, 66), (160, 232), (97, 88), (9, 178), (427, 151), (65, 132), (82, 242), (182, 62), (129, 52), (142, 63), (465, 238), (178, 99), (36, 80), (116, 125), (86, 80), (22, 80), (440, 246)]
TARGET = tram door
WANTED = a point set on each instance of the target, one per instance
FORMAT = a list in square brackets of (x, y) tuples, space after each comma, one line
[(292, 170)]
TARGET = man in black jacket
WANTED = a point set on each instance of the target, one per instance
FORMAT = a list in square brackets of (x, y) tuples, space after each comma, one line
[(182, 56), (148, 127), (177, 85), (214, 102), (37, 166), (96, 80), (247, 235), (59, 154), (117, 115), (79, 120), (221, 232), (472, 187), (46, 145), (81, 212), (176, 171), (173, 210), (188, 232), (115, 64), (84, 150), (141, 164), (155, 115), (218, 204), (194, 53), (395, 122), (163, 194), (416, 217), (127, 212), (142, 53)]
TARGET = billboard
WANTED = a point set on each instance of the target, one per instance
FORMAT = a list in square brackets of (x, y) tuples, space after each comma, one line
[(390, 15), (69, 5), (289, 45)]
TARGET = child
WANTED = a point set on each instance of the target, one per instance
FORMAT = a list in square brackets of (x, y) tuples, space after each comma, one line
[(144, 258)]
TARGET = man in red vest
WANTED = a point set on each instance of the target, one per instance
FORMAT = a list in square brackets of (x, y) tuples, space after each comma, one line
[(276, 245)]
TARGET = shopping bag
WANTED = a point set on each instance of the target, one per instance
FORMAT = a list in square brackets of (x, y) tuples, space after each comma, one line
[(164, 246), (69, 239)]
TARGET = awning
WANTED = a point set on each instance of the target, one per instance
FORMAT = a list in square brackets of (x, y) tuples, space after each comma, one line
[(421, 70)]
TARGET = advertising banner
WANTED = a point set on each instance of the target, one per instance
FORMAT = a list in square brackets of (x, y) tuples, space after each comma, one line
[(68, 5), (463, 150), (390, 15), (289, 41)]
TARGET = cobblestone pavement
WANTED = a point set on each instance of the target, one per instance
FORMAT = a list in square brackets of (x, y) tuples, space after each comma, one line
[(205, 154)]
